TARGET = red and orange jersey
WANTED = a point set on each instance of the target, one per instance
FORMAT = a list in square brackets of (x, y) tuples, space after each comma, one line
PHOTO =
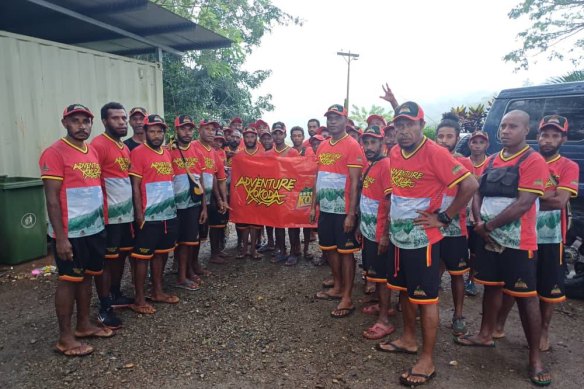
[(478, 169), (154, 167), (114, 159), (564, 175), (374, 209), (533, 173), (81, 196), (210, 168), (187, 158), (333, 182), (419, 180), (458, 226), (285, 152)]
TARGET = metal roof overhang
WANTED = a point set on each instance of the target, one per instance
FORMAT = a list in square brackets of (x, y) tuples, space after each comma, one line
[(122, 27)]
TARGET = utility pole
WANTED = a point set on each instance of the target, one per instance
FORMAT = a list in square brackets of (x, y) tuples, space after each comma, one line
[(348, 58)]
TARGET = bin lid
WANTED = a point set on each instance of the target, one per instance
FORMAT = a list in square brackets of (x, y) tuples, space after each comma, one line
[(10, 183)]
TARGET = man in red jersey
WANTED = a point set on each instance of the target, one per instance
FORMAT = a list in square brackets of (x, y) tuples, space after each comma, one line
[(454, 245), (137, 115), (478, 144), (374, 227), (551, 225), (281, 149), (151, 174), (389, 138), (214, 181), (421, 172), (71, 176), (340, 160), (376, 120), (114, 159), (188, 167), (506, 260), (249, 232)]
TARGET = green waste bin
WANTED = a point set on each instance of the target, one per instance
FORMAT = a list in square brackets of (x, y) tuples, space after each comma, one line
[(23, 227)]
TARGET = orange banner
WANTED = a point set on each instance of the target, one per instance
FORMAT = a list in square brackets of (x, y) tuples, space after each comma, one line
[(271, 191)]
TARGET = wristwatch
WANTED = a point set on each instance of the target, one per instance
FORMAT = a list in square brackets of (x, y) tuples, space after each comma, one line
[(444, 218)]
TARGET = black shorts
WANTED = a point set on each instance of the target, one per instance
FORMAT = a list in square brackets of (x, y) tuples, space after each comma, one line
[(242, 226), (376, 266), (331, 235), (188, 226), (217, 219), (513, 270), (155, 237), (454, 254), (417, 272), (88, 257), (472, 240), (120, 237), (551, 271), (203, 231)]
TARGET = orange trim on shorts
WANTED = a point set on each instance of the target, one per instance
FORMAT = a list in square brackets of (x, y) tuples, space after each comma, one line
[(217, 226), (458, 272), (165, 251), (112, 256), (429, 255), (561, 253), (191, 244), (327, 248), (530, 254), (351, 251), (71, 279), (126, 248), (140, 256), (93, 273), (376, 280), (519, 294), (395, 287), (554, 300), (488, 283), (423, 302)]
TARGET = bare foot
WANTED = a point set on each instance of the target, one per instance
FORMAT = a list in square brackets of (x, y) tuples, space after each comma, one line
[(421, 373), (217, 260), (544, 343), (94, 332), (73, 348), (399, 345), (498, 334)]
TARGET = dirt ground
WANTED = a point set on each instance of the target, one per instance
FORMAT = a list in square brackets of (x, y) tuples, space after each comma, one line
[(256, 324)]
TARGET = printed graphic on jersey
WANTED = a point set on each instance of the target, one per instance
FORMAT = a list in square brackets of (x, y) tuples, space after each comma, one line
[(369, 209), (85, 214), (404, 233), (160, 204), (182, 189), (120, 208), (507, 235), (330, 191), (549, 227)]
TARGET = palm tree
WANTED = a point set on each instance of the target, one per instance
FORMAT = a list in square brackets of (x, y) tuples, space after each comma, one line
[(576, 75)]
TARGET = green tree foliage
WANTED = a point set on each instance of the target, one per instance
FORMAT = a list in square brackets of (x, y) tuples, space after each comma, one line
[(471, 118), (577, 75), (360, 114), (552, 22), (212, 83)]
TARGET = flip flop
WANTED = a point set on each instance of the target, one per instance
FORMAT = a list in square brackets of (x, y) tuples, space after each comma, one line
[(533, 377), (188, 285), (396, 349), (322, 295), (466, 341), (100, 332), (328, 283), (341, 313), (79, 351), (257, 257), (373, 310), (427, 378), (378, 331), (171, 299), (143, 309)]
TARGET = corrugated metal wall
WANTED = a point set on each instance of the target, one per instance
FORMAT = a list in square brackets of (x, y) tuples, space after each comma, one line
[(39, 78)]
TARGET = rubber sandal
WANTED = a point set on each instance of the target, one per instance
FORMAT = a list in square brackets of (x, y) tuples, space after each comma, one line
[(328, 283), (143, 309), (188, 285), (533, 377), (291, 261), (171, 299), (323, 295), (257, 257), (396, 349), (79, 351), (466, 341), (405, 381), (341, 313), (378, 331), (100, 332)]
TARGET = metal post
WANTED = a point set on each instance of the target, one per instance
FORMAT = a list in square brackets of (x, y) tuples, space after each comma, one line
[(348, 57)]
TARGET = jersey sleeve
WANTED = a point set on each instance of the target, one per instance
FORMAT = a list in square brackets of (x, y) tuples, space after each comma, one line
[(533, 173), (448, 169), (220, 173), (385, 176), (293, 153), (569, 177), (136, 168), (355, 155), (51, 165), (99, 149)]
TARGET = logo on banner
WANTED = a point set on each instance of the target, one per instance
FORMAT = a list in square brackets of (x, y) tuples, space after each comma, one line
[(266, 191), (304, 198)]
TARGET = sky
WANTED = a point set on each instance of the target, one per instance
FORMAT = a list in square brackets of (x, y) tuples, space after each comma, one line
[(438, 53)]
